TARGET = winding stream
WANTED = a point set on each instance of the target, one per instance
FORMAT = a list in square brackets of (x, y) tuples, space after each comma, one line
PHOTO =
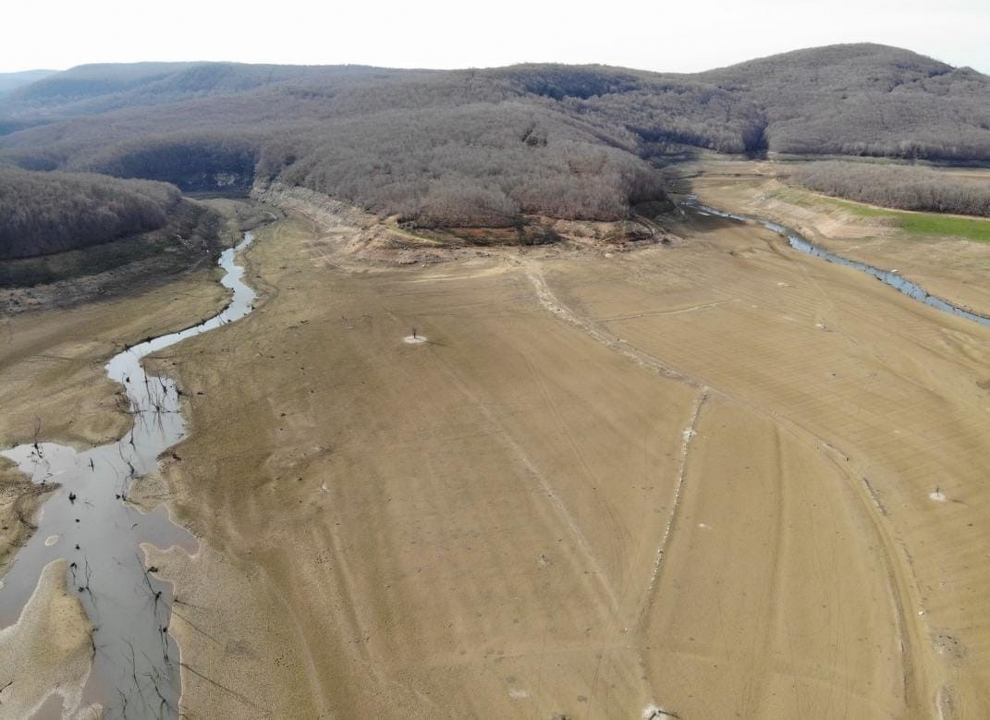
[(888, 277), (88, 522)]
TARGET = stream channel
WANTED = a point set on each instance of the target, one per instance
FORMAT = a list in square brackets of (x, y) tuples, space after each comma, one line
[(888, 277), (87, 521)]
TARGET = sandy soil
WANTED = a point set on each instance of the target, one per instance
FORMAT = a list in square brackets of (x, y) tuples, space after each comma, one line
[(19, 503), (694, 477), (47, 654)]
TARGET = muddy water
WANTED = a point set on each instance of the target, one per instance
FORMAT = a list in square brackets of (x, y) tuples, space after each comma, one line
[(88, 522), (888, 277)]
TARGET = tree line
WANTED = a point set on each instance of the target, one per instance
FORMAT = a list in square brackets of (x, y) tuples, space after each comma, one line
[(905, 187), (486, 147), (43, 213)]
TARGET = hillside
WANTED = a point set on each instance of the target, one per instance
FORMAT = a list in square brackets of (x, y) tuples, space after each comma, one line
[(61, 226), (93, 89), (487, 147), (44, 213), (866, 100), (12, 81), (904, 187)]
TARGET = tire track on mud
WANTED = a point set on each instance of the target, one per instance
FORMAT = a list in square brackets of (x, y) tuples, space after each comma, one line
[(608, 515), (555, 500), (689, 433), (899, 574), (550, 302), (902, 583)]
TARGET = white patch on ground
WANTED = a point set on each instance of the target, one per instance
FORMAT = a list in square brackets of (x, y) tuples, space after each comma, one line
[(938, 496), (410, 340), (51, 540), (652, 712), (704, 526), (518, 694), (688, 434)]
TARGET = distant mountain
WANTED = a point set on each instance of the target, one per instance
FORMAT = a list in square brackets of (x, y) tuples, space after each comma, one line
[(487, 147), (92, 89), (14, 80)]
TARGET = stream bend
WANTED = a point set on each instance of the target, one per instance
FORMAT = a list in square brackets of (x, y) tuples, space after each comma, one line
[(888, 277), (88, 522)]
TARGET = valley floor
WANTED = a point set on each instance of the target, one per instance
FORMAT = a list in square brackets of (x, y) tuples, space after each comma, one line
[(718, 478)]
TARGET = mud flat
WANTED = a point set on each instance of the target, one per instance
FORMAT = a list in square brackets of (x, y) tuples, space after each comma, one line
[(693, 478), (87, 521), (49, 648)]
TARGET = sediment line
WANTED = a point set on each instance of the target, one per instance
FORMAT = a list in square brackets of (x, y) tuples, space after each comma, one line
[(900, 581), (689, 433), (550, 302)]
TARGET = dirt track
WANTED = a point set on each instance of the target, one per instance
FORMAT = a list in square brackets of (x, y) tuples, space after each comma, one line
[(694, 477)]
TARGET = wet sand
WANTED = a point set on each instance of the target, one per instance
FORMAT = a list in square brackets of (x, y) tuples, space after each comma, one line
[(52, 380), (19, 503), (47, 654)]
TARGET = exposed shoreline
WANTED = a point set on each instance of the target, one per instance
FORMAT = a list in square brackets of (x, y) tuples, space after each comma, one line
[(54, 461)]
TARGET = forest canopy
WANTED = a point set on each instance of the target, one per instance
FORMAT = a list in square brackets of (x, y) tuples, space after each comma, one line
[(904, 187), (486, 147), (43, 213)]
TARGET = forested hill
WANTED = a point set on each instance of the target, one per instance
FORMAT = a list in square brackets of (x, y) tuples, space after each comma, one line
[(486, 147), (866, 100), (44, 213), (14, 80)]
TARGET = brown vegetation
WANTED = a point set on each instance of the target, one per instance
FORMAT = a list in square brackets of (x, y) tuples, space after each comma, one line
[(896, 186), (482, 147), (44, 213), (99, 262)]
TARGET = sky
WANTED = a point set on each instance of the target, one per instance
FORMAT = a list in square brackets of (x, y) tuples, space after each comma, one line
[(647, 34)]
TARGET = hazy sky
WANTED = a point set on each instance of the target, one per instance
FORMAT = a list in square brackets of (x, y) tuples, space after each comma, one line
[(649, 34)]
